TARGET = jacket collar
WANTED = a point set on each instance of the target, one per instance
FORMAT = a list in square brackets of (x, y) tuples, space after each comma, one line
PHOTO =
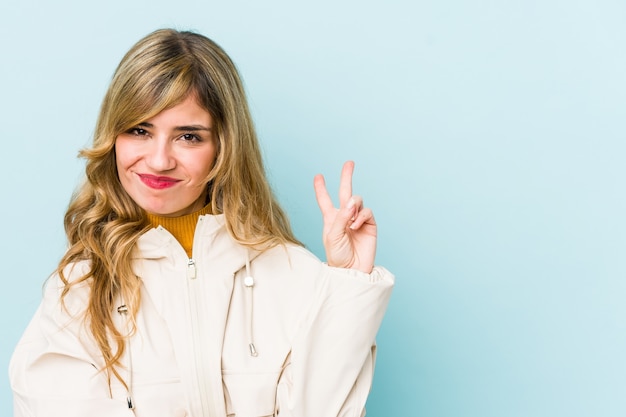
[(211, 239)]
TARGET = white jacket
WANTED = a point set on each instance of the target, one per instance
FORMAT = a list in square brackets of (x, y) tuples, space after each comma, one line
[(311, 326)]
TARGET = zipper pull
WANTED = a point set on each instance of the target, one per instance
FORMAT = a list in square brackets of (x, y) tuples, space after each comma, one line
[(191, 269)]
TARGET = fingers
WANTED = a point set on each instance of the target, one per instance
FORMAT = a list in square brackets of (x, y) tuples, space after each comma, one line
[(344, 218), (321, 194), (359, 214), (345, 184), (352, 216), (365, 216), (324, 200)]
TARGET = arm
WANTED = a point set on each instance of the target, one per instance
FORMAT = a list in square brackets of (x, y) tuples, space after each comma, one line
[(52, 373), (331, 366), (332, 359)]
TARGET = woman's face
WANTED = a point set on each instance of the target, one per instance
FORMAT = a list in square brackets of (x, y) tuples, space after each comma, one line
[(163, 162)]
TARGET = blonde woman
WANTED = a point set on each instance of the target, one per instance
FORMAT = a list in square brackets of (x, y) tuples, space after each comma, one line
[(184, 291)]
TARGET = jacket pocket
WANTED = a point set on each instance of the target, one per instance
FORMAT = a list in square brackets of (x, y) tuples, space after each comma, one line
[(250, 394)]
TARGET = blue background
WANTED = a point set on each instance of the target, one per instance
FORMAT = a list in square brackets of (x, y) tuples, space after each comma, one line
[(489, 141)]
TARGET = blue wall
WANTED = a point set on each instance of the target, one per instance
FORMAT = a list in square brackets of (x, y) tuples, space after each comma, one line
[(489, 140)]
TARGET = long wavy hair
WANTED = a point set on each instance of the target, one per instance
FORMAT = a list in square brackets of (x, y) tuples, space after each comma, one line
[(103, 223)]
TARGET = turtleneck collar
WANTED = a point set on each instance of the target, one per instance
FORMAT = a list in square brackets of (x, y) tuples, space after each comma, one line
[(182, 227)]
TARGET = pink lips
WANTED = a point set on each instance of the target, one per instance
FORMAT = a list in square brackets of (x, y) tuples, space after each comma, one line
[(158, 182)]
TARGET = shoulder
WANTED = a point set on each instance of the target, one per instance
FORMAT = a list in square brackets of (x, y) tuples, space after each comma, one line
[(72, 275), (289, 256), (288, 268), (68, 296)]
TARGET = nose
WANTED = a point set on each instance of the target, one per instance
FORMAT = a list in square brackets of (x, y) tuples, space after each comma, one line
[(160, 156)]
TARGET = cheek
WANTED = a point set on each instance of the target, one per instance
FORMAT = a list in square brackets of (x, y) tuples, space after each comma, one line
[(202, 165), (123, 163), (119, 153), (124, 155)]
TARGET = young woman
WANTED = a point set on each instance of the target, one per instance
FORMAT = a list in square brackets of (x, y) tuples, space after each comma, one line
[(184, 291)]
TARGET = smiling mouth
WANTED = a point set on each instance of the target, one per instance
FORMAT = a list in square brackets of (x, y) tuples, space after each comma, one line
[(158, 182)]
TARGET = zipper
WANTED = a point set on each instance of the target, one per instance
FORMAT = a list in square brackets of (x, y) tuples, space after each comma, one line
[(201, 379), (191, 269), (201, 398), (194, 296)]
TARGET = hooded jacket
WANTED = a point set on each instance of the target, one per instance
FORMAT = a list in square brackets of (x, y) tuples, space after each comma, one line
[(230, 332)]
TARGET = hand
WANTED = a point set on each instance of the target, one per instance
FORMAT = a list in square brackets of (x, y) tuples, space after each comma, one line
[(349, 233)]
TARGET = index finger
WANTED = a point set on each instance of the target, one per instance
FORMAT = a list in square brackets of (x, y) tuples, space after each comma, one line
[(321, 194), (345, 184)]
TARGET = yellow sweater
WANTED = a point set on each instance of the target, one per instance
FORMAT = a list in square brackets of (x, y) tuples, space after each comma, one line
[(182, 228)]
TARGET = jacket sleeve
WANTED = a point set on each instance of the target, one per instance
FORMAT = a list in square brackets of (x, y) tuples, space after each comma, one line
[(331, 367), (52, 372)]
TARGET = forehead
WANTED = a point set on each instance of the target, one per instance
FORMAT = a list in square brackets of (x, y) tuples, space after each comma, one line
[(188, 111)]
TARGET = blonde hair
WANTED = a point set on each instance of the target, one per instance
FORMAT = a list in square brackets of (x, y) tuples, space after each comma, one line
[(103, 223)]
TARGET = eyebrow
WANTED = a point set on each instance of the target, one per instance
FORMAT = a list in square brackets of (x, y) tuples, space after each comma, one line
[(187, 128)]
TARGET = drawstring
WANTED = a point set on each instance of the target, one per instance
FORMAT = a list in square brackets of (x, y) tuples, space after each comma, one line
[(248, 282), (123, 310)]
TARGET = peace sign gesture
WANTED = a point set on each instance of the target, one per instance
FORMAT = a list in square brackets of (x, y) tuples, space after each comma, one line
[(349, 233)]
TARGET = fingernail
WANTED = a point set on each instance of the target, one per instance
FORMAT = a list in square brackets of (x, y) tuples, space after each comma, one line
[(351, 203)]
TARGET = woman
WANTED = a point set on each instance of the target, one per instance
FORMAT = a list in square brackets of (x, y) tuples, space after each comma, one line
[(184, 291)]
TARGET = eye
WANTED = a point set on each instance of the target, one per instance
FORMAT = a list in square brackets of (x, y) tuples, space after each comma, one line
[(190, 138), (138, 131)]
